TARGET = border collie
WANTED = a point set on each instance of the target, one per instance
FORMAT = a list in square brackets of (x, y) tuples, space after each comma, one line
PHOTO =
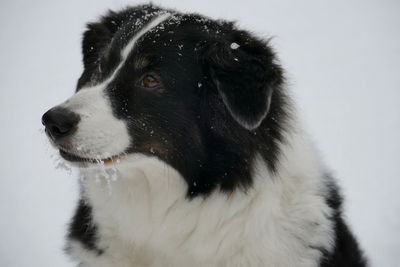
[(191, 152)]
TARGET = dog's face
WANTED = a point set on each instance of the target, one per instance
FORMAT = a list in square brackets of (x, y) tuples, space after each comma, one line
[(191, 91)]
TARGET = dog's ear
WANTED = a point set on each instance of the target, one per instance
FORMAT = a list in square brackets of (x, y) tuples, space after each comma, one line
[(95, 41), (97, 36), (245, 75)]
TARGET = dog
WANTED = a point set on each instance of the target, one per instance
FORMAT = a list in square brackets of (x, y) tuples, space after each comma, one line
[(191, 152)]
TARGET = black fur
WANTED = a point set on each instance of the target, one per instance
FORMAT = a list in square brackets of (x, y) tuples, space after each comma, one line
[(346, 251), (83, 228)]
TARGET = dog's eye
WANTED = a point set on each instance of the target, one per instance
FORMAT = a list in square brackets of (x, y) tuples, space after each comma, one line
[(149, 81)]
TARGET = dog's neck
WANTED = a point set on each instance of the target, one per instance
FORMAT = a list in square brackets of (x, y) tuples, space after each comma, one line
[(142, 203)]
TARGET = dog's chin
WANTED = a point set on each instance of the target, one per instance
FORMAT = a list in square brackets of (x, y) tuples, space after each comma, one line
[(79, 161)]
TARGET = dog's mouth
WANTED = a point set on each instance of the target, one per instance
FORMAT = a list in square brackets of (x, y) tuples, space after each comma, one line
[(74, 158)]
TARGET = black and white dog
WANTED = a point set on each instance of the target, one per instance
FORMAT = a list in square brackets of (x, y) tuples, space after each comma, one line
[(191, 152)]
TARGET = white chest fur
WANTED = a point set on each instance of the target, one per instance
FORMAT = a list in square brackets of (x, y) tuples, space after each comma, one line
[(144, 218)]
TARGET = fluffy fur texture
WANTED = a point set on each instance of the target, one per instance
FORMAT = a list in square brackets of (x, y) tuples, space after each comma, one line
[(191, 153)]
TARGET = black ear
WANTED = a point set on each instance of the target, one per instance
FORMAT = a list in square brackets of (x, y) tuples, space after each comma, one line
[(97, 36), (245, 75), (96, 40)]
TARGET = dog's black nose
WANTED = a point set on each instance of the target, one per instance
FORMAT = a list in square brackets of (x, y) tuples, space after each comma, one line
[(60, 122)]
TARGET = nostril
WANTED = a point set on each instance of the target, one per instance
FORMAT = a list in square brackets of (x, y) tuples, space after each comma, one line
[(59, 122), (58, 130)]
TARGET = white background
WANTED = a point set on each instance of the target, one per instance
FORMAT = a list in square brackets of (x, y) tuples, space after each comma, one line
[(343, 64)]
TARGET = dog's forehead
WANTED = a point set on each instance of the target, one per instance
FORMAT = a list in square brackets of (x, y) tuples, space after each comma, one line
[(141, 26), (122, 45), (150, 33), (131, 26), (153, 37), (159, 26)]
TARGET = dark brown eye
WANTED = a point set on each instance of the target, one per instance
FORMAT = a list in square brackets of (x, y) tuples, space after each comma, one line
[(149, 81)]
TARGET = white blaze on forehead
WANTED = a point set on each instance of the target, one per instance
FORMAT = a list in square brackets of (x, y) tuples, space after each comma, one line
[(154, 23), (129, 47), (100, 134)]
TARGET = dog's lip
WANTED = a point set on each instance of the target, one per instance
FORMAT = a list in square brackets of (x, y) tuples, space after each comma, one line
[(75, 158)]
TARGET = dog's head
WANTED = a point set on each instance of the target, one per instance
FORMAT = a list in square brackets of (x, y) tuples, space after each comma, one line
[(198, 94)]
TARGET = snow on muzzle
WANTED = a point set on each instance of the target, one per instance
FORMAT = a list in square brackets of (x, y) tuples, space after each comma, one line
[(84, 127)]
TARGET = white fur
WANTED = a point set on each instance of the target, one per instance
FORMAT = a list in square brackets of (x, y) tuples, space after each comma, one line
[(144, 219), (100, 134)]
